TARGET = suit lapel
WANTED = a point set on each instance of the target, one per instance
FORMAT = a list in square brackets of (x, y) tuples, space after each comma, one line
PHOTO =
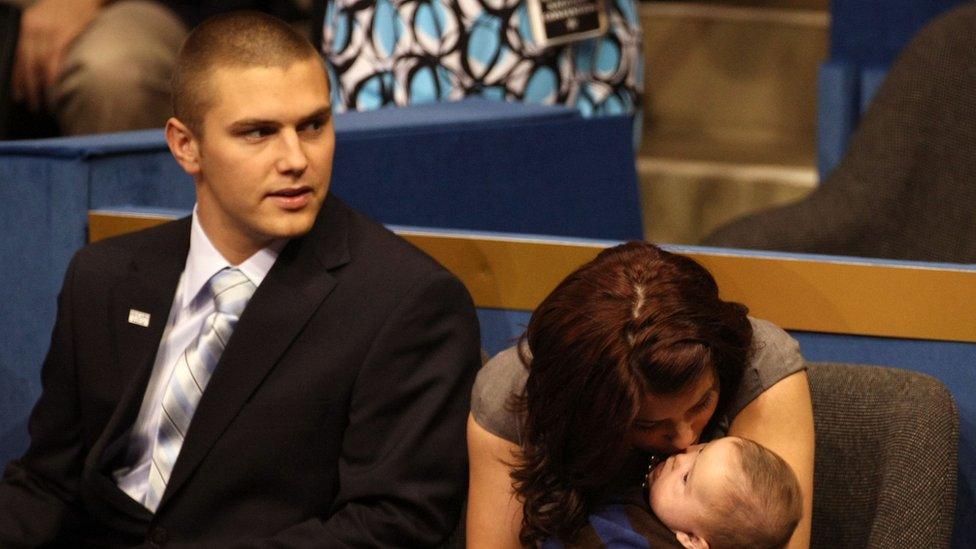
[(277, 313), (147, 289)]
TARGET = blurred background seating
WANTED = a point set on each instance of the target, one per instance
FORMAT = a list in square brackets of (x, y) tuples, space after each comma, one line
[(866, 36), (746, 104), (905, 189), (749, 103)]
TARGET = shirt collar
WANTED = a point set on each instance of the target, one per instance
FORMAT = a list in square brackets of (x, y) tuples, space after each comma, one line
[(203, 261)]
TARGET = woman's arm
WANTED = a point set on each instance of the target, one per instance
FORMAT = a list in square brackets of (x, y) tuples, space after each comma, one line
[(494, 514), (781, 419)]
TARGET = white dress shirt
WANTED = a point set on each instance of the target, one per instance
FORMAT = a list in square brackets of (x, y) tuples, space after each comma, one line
[(190, 308)]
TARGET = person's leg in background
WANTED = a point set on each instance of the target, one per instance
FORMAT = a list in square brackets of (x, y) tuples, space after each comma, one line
[(116, 74)]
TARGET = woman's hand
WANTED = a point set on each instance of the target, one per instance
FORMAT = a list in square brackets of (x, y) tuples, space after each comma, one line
[(781, 419), (494, 514)]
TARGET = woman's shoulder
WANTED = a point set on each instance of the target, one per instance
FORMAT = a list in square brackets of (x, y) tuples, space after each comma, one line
[(498, 380), (774, 352), (775, 355)]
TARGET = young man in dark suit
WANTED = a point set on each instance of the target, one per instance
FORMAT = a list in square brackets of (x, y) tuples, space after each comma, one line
[(316, 399)]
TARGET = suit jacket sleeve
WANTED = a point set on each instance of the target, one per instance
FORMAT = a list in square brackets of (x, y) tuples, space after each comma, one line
[(403, 469), (39, 490)]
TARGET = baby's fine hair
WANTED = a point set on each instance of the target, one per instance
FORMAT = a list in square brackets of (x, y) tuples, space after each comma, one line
[(762, 504)]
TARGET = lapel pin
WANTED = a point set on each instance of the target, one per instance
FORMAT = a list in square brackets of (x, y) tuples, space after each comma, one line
[(138, 318)]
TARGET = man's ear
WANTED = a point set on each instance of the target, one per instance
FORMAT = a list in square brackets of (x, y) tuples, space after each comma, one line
[(184, 145), (691, 541)]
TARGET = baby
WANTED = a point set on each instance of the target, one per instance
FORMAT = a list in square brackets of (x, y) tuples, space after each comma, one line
[(729, 493)]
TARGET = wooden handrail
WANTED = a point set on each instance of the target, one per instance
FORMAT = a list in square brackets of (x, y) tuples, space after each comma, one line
[(798, 293)]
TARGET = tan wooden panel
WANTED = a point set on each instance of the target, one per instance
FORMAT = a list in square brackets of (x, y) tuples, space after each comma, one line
[(851, 298), (105, 224), (504, 273), (824, 296)]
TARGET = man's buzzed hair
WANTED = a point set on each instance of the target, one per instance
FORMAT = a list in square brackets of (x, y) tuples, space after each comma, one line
[(236, 39)]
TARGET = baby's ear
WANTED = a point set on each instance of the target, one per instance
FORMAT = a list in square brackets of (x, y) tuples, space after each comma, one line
[(691, 541)]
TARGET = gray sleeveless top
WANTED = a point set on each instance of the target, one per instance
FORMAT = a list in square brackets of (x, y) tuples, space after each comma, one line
[(776, 355)]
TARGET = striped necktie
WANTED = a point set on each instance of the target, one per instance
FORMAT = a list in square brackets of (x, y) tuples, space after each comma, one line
[(231, 291)]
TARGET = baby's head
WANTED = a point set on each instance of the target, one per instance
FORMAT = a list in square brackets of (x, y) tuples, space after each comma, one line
[(726, 494)]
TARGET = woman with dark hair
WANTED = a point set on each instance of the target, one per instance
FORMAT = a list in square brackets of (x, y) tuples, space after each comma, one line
[(633, 354)]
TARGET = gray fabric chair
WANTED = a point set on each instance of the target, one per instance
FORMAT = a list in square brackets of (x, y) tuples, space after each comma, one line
[(906, 188), (886, 470)]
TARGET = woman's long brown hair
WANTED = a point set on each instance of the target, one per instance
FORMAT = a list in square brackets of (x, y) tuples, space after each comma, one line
[(636, 320)]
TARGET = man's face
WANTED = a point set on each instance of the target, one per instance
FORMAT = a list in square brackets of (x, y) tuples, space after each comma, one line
[(685, 487), (264, 155)]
